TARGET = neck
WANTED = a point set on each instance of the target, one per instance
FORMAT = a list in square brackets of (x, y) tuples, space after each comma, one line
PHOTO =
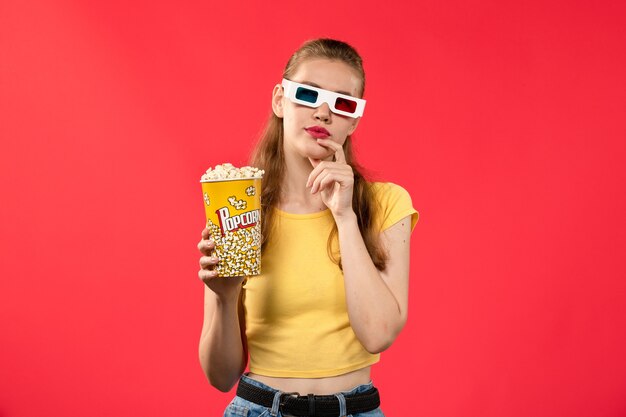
[(295, 196)]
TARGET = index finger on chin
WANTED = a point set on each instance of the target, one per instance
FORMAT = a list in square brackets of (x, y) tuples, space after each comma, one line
[(339, 155)]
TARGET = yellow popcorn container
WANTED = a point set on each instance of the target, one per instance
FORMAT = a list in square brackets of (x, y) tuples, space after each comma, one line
[(233, 213)]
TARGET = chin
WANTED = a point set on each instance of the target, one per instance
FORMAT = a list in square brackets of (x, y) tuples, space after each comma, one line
[(319, 156), (315, 152)]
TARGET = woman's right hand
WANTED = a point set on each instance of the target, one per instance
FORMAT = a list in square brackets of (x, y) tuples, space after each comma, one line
[(221, 286), (221, 349)]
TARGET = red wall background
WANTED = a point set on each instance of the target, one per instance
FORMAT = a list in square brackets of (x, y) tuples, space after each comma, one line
[(504, 120)]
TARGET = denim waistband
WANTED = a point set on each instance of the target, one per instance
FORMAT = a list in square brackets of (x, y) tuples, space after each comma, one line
[(255, 396)]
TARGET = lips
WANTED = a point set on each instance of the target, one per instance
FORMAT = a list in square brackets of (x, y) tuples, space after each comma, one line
[(317, 132)]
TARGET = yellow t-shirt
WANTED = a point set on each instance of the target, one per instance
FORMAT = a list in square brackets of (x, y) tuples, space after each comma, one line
[(296, 316)]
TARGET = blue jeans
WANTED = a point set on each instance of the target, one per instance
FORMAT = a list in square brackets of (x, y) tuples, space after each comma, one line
[(239, 407)]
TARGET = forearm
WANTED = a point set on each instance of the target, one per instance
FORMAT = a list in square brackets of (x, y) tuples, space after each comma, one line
[(374, 312), (221, 349)]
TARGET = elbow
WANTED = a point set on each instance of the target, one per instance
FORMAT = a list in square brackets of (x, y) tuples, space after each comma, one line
[(382, 339), (222, 384), (377, 346), (220, 380)]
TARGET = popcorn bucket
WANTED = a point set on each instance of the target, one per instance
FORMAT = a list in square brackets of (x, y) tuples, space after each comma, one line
[(233, 212)]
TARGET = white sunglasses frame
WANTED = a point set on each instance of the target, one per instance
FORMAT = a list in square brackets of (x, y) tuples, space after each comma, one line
[(323, 96)]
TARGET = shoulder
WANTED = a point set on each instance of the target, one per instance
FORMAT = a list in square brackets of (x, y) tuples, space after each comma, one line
[(388, 193), (387, 188), (393, 204)]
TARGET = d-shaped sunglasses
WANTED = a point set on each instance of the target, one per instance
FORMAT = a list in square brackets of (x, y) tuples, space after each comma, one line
[(314, 97)]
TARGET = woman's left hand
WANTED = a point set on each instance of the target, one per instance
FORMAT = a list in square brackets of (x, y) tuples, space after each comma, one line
[(334, 180)]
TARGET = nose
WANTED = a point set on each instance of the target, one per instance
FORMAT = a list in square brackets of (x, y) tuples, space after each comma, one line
[(323, 112)]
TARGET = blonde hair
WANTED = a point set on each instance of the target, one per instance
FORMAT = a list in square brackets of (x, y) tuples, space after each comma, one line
[(268, 155)]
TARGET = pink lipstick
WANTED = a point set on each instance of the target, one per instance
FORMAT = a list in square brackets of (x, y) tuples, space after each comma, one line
[(317, 132)]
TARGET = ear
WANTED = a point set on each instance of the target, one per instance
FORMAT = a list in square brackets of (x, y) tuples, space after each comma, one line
[(355, 123), (277, 100)]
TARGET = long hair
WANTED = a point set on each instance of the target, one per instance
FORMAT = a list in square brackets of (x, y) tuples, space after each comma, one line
[(269, 155)]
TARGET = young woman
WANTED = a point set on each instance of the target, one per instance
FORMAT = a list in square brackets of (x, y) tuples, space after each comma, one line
[(335, 257)]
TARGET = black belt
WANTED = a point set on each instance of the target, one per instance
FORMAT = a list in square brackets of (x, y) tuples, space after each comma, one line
[(310, 405)]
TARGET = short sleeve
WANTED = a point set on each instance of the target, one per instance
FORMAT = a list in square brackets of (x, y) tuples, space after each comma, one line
[(394, 204)]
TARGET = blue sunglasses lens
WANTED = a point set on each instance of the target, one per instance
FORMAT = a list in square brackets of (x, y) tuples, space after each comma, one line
[(304, 94)]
